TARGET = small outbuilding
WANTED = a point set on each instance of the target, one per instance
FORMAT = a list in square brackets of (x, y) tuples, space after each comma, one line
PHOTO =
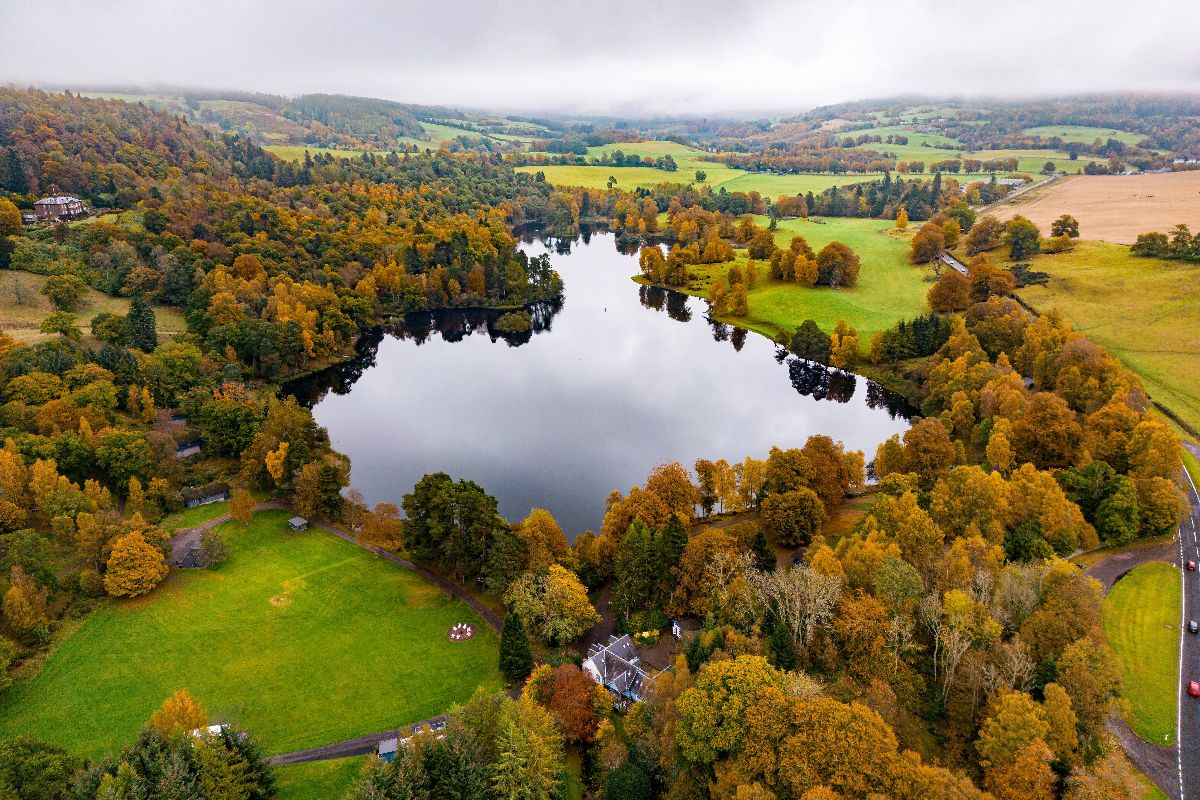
[(298, 524), (387, 748)]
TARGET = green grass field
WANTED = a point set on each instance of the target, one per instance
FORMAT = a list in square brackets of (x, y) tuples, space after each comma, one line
[(889, 288), (1142, 309), (1084, 134), (717, 176), (318, 780), (1141, 618), (301, 638), (23, 307)]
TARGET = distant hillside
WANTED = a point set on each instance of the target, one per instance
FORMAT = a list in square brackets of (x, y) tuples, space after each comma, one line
[(364, 118)]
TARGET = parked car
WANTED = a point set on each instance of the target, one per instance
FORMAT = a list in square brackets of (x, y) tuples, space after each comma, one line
[(1194, 688), (1191, 566), (1193, 627)]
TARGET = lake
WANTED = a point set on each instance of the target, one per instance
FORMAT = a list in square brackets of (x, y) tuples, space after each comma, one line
[(616, 379)]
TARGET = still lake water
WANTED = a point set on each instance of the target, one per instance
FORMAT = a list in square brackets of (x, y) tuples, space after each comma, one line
[(617, 379)]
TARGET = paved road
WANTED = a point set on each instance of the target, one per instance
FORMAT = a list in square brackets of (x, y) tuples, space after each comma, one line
[(1189, 655), (1175, 770)]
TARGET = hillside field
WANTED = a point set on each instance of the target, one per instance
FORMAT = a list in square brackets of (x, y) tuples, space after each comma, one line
[(1084, 134), (1144, 310), (1113, 208), (301, 638), (23, 307)]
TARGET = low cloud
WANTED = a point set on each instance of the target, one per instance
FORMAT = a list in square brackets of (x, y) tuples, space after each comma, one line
[(623, 57)]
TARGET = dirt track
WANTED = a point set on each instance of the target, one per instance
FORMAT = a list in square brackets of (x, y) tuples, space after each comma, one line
[(1113, 208)]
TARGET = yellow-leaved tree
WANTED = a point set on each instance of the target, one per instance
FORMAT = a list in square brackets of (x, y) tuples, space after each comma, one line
[(241, 505), (134, 568), (179, 713)]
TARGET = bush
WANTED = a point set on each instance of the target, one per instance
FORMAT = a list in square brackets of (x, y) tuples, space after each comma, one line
[(213, 549), (90, 583)]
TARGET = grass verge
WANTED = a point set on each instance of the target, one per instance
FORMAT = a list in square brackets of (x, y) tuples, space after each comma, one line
[(1141, 618), (318, 780)]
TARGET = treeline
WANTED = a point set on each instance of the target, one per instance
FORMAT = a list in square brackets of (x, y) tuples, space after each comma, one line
[(1180, 245)]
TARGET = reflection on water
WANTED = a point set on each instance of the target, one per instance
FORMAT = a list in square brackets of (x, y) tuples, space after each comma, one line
[(608, 383)]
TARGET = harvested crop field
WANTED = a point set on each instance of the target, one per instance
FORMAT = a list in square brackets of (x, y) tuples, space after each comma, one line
[(1114, 208)]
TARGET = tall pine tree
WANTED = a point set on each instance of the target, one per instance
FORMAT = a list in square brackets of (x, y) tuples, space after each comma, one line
[(516, 660), (764, 556), (140, 325)]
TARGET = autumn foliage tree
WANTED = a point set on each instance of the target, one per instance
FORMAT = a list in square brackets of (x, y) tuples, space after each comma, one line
[(241, 505), (179, 713), (577, 703), (134, 568)]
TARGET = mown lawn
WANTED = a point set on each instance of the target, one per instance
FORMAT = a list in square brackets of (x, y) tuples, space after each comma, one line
[(1144, 310), (1141, 618), (318, 780), (889, 288), (301, 638)]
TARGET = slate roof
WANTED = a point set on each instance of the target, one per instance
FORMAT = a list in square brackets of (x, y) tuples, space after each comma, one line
[(616, 666), (58, 200)]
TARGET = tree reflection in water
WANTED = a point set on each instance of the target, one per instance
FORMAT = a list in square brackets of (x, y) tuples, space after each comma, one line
[(453, 325)]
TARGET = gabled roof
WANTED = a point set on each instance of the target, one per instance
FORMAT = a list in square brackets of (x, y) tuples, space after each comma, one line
[(616, 666), (57, 200)]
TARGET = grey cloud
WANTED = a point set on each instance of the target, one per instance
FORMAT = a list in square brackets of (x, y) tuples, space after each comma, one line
[(625, 56)]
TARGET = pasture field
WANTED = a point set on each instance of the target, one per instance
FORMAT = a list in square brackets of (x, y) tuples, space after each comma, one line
[(1114, 208), (318, 780), (718, 177), (1141, 309), (23, 307), (889, 288), (302, 638), (915, 138), (653, 148), (1141, 618), (1084, 134)]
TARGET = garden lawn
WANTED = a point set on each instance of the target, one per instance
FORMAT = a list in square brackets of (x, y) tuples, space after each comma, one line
[(1144, 310), (318, 780), (301, 638), (1141, 618), (889, 288)]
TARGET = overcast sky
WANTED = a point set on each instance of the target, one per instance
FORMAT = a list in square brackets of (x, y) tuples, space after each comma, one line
[(619, 56)]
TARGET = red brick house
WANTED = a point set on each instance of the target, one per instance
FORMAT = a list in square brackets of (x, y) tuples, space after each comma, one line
[(58, 207)]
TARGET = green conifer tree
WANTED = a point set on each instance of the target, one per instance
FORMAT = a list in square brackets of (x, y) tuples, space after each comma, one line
[(516, 660), (140, 324), (764, 556)]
